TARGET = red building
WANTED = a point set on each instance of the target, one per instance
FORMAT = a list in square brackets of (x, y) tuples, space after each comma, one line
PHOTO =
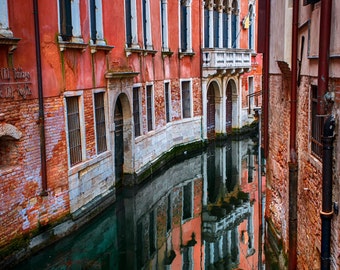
[(93, 93)]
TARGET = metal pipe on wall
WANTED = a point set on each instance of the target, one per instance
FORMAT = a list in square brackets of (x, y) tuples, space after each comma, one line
[(41, 120), (293, 165), (327, 190)]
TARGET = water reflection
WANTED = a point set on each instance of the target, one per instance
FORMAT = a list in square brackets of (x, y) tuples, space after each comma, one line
[(200, 213)]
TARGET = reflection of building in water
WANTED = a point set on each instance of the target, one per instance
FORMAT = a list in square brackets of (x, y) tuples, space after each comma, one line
[(230, 235), (163, 220)]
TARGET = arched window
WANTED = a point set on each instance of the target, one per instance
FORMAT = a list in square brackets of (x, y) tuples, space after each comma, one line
[(251, 30), (234, 24)]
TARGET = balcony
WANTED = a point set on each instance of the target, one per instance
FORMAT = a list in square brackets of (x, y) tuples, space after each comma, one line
[(222, 60)]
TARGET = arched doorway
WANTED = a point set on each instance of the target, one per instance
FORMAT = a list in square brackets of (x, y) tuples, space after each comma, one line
[(119, 142), (229, 106)]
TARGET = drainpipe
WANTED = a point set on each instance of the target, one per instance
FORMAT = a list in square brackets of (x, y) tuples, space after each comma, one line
[(41, 120), (327, 176), (293, 165), (324, 41)]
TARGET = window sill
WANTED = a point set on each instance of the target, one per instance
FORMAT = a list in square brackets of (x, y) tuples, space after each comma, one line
[(10, 42), (106, 48), (63, 45), (83, 165), (184, 54), (167, 53), (139, 51)]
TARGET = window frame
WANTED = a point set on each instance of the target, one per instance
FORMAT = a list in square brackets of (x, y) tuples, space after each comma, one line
[(104, 111), (146, 25), (137, 114), (72, 17), (96, 18), (149, 103), (186, 100), (185, 37), (131, 34), (316, 125), (167, 101), (164, 24), (79, 95)]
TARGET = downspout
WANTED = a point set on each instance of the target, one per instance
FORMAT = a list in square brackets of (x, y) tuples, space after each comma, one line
[(327, 177), (327, 138), (293, 165), (324, 41), (41, 120), (266, 78)]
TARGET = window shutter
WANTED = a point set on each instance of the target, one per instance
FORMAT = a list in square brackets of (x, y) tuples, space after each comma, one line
[(184, 30), (65, 20), (128, 18), (93, 20)]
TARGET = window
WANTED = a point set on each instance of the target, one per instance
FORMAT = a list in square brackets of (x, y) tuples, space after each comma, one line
[(186, 99), (4, 24), (316, 124), (149, 107), (226, 27), (136, 111), (96, 22), (185, 24), (216, 27), (152, 233), (187, 201), (73, 128), (147, 25), (131, 23), (69, 16), (100, 122), (206, 25), (167, 101), (234, 24), (307, 2), (169, 215), (251, 30), (164, 18)]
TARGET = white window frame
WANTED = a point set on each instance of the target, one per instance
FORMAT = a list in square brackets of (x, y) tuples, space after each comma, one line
[(106, 113), (99, 23), (4, 21), (134, 25), (190, 94), (152, 106), (148, 45), (80, 96), (76, 28), (189, 27), (169, 98), (140, 90), (164, 23)]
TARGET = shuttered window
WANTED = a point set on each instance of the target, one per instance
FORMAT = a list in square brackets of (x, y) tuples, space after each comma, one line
[(74, 133), (184, 27), (128, 18), (136, 111), (149, 106), (93, 20), (100, 122), (65, 19)]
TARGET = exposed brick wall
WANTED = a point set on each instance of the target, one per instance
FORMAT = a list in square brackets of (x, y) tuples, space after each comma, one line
[(23, 210)]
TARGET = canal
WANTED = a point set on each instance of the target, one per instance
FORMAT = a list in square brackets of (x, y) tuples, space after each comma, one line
[(202, 211)]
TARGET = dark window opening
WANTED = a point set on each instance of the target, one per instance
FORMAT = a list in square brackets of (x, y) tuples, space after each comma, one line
[(149, 106), (93, 20), (167, 102), (184, 27), (186, 100), (65, 19), (187, 201), (136, 111), (100, 122), (128, 18)]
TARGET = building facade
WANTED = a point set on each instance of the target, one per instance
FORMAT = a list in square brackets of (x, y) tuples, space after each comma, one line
[(93, 93), (301, 89)]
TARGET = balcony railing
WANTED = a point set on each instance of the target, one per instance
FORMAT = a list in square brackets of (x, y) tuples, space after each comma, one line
[(226, 59)]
